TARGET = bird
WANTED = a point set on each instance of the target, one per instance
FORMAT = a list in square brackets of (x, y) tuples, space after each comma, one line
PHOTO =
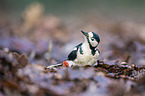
[(85, 53)]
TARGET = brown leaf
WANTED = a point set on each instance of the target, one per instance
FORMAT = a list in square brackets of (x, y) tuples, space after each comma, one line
[(16, 55), (22, 61)]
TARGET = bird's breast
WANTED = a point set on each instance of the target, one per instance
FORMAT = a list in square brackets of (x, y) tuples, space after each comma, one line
[(86, 58)]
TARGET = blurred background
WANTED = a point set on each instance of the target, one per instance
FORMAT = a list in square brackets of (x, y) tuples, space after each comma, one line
[(113, 9), (47, 30)]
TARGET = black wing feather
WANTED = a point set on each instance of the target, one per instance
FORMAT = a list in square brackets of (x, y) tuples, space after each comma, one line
[(73, 54)]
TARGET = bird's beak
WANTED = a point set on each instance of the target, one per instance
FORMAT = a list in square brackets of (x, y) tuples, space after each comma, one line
[(85, 33)]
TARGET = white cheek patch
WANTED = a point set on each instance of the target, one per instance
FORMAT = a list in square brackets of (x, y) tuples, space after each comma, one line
[(94, 44)]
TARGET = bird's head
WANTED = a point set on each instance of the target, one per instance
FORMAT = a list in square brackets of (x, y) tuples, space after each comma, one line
[(92, 38)]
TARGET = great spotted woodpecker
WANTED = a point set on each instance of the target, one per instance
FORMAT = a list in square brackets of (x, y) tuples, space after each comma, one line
[(85, 53)]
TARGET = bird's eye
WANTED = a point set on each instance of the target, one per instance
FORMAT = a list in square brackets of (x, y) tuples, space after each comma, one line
[(92, 39)]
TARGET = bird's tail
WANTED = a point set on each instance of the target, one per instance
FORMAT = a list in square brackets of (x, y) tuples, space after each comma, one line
[(62, 64)]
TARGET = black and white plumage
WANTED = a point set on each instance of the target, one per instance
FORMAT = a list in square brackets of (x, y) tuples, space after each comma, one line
[(85, 53)]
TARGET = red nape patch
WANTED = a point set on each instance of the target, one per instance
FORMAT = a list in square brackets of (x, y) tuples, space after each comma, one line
[(65, 64)]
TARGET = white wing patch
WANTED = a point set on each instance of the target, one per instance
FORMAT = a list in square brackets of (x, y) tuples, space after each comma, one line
[(75, 48)]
